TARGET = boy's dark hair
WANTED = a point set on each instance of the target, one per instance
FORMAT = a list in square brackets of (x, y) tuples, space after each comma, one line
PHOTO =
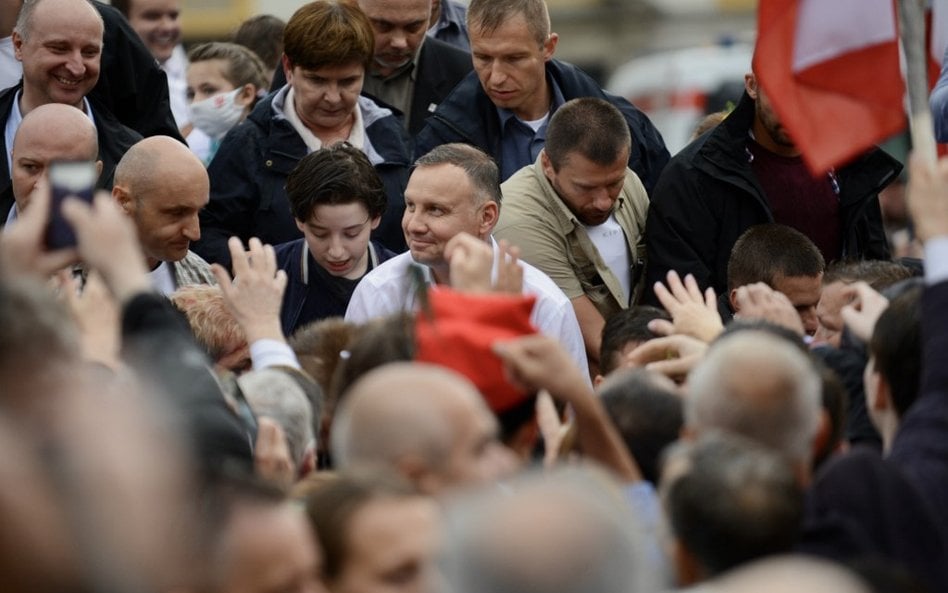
[(766, 251), (626, 326), (339, 174)]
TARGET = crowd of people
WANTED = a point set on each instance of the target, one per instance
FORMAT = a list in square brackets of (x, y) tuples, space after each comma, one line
[(388, 299)]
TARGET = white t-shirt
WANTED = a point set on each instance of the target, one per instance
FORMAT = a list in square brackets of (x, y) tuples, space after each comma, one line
[(610, 242), (162, 278)]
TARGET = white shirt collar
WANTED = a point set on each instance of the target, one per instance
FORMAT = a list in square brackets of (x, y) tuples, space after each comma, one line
[(16, 118)]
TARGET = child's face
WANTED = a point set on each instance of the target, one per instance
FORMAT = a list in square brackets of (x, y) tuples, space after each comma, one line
[(338, 237), (206, 79)]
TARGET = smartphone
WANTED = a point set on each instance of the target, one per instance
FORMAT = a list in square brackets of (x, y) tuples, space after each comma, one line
[(67, 178)]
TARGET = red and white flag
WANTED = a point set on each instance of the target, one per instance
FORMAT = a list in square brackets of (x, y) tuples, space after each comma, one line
[(831, 70)]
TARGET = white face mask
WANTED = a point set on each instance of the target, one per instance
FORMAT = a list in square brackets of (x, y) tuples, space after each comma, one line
[(216, 115)]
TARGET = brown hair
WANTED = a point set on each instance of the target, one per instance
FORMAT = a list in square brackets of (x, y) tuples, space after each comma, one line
[(488, 15), (332, 506), (328, 33), (243, 66)]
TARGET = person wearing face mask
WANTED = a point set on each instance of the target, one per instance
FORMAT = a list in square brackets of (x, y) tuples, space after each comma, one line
[(224, 81), (328, 48), (337, 199)]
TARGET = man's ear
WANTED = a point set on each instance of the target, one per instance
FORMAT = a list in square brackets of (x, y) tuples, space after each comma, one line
[(549, 46), (124, 199), (732, 298), (18, 46), (882, 398), (488, 218), (750, 85), (547, 165), (98, 169), (416, 470)]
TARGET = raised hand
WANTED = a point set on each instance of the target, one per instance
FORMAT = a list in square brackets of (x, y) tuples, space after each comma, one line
[(693, 313)]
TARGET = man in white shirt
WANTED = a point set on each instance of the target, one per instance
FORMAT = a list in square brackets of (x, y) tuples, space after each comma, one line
[(578, 213), (454, 189)]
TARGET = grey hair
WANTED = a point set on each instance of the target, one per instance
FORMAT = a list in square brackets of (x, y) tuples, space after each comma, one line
[(567, 531), (481, 170), (759, 386), (274, 394), (24, 18)]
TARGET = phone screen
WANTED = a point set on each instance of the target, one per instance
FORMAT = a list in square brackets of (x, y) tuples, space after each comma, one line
[(67, 178)]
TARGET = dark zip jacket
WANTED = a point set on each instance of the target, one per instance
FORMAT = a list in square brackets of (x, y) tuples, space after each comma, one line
[(708, 196)]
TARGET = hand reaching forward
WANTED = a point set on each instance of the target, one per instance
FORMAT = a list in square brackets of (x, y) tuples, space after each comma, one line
[(759, 301), (472, 264), (863, 312), (693, 313), (255, 295), (673, 356)]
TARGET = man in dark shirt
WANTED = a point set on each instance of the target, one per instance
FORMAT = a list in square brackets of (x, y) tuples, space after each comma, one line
[(748, 171)]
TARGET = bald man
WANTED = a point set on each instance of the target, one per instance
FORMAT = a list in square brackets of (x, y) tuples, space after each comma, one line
[(162, 186), (48, 133), (425, 422), (59, 43)]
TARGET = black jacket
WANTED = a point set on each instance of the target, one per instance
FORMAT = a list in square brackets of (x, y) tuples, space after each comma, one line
[(468, 115), (440, 68), (114, 140), (708, 196), (131, 85), (248, 179)]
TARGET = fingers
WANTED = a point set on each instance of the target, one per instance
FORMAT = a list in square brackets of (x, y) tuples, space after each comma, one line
[(222, 276), (666, 298), (694, 291), (653, 350), (710, 299), (661, 327), (675, 367), (238, 257)]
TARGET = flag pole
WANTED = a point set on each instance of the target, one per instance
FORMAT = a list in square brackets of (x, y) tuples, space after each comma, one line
[(912, 33)]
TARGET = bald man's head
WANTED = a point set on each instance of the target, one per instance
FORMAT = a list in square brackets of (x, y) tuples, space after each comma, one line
[(53, 132), (162, 186), (426, 422)]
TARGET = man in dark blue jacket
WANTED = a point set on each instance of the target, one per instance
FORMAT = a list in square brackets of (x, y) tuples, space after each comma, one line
[(503, 107)]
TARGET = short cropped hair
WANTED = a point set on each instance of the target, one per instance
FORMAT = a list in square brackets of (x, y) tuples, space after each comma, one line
[(263, 35), (243, 66), (625, 327), (877, 273), (730, 501), (329, 33), (766, 251), (759, 386), (648, 415), (488, 15), (338, 174), (481, 170), (590, 127), (896, 346), (274, 394)]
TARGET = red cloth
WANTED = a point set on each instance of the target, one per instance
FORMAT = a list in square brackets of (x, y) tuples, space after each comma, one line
[(831, 70), (461, 333)]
